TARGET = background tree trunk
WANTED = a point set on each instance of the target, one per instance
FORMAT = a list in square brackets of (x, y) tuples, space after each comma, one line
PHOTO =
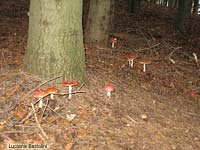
[(165, 3), (181, 15), (55, 40), (195, 6), (99, 22), (130, 6), (170, 3), (176, 4), (153, 1), (134, 6), (190, 5)]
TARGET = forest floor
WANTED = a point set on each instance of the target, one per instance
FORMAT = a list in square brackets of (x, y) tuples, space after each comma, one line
[(151, 110)]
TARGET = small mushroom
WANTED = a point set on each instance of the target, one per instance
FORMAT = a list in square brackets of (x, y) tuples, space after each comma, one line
[(144, 62), (113, 42), (144, 117), (40, 94), (109, 88), (52, 91), (131, 58), (70, 85), (192, 94)]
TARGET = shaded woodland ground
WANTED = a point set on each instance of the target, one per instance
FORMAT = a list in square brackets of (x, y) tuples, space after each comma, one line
[(162, 93)]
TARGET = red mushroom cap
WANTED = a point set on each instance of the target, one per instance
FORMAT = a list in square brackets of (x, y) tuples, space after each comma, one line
[(109, 87), (71, 83), (52, 90), (144, 61), (192, 94), (40, 93), (113, 40), (132, 57)]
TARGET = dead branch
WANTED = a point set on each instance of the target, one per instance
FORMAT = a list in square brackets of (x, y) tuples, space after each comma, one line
[(143, 49), (38, 123), (170, 55), (54, 110), (45, 108), (13, 132), (42, 85)]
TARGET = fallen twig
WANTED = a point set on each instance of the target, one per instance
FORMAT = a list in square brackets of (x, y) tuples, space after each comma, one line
[(38, 123), (42, 85), (131, 119), (81, 86), (12, 132), (196, 59), (56, 112), (142, 49), (170, 55), (45, 108)]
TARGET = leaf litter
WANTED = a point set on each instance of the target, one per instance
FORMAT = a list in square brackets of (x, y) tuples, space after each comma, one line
[(148, 110)]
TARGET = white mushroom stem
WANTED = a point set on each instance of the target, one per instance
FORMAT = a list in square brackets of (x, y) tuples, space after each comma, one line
[(109, 94), (70, 91), (144, 67), (40, 103), (130, 63), (113, 44), (51, 96)]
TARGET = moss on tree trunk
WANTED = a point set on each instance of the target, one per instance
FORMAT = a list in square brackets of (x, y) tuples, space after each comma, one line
[(55, 40)]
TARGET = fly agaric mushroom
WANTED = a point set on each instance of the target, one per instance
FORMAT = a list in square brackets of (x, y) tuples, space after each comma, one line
[(40, 94), (113, 42), (52, 91), (144, 62), (109, 88), (70, 84), (131, 58), (192, 94)]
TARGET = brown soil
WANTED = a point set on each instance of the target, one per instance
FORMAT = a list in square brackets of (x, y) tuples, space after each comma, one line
[(150, 110)]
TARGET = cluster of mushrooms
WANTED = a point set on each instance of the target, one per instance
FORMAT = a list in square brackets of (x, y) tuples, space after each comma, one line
[(40, 94), (144, 62), (132, 58), (109, 87)]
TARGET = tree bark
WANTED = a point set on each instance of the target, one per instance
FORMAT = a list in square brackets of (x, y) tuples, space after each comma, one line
[(181, 15), (55, 40), (190, 5), (176, 4), (134, 6), (99, 22), (165, 3), (153, 1), (195, 6), (112, 14), (170, 3)]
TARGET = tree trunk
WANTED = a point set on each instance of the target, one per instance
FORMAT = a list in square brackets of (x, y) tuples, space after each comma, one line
[(165, 3), (190, 5), (112, 14), (55, 40), (134, 6), (195, 6), (181, 15), (162, 2), (153, 1), (130, 6), (170, 3), (99, 22), (176, 4)]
